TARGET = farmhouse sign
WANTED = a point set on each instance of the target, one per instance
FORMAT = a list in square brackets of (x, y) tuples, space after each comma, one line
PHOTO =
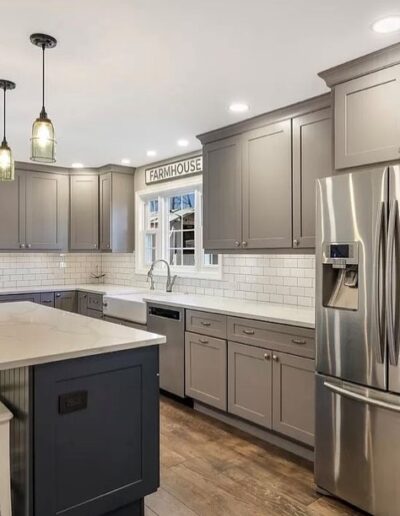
[(175, 170)]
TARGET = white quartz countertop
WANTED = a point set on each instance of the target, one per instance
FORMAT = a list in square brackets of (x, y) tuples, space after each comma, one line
[(270, 312), (86, 287), (33, 334)]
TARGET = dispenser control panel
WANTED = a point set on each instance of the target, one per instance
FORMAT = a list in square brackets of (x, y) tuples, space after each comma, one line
[(341, 254)]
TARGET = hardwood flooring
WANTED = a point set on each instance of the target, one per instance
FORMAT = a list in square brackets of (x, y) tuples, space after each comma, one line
[(210, 469)]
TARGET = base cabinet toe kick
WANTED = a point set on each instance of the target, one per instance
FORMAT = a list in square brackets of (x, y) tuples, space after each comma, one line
[(85, 434)]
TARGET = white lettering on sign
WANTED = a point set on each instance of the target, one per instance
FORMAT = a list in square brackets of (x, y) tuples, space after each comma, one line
[(175, 170)]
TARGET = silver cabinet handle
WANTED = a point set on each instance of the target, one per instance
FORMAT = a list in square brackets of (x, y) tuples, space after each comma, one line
[(22, 246), (377, 309), (360, 397), (244, 244), (237, 243), (203, 341), (296, 243), (105, 304), (58, 295), (267, 356), (248, 332), (205, 323), (275, 358), (29, 246), (393, 355), (299, 341)]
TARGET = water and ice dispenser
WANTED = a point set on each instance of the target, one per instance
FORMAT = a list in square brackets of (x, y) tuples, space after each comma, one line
[(340, 275)]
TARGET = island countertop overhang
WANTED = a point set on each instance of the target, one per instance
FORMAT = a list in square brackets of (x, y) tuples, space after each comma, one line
[(32, 334)]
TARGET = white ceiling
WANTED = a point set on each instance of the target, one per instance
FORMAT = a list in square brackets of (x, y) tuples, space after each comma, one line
[(133, 75)]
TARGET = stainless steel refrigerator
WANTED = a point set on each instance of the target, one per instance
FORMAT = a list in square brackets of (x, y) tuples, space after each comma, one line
[(358, 339)]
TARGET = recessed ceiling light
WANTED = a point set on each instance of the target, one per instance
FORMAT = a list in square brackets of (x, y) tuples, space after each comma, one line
[(387, 24), (151, 153), (238, 107), (182, 142), (125, 161), (77, 165)]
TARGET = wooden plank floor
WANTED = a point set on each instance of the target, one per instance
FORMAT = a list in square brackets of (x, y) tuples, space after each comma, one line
[(210, 469)]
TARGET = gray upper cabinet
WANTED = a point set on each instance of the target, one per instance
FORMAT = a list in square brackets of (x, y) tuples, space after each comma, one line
[(250, 383), (117, 212), (293, 397), (12, 213), (222, 194), (312, 159), (46, 216), (84, 212), (267, 187), (367, 119)]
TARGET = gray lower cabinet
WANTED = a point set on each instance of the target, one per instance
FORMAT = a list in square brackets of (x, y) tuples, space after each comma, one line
[(367, 119), (46, 211), (117, 212), (267, 187), (206, 369), (250, 383), (294, 397), (10, 298), (47, 299), (66, 300), (82, 303), (12, 213), (84, 212), (312, 159), (222, 194)]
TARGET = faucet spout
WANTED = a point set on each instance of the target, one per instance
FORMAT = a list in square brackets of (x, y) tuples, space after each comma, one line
[(170, 280)]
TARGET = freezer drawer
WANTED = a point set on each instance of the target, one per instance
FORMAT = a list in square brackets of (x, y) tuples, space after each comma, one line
[(357, 457)]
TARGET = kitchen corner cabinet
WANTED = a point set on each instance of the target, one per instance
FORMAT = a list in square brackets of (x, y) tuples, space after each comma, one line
[(222, 194), (206, 369), (293, 396), (312, 159), (66, 301), (117, 212), (250, 383), (34, 212), (367, 119), (84, 212)]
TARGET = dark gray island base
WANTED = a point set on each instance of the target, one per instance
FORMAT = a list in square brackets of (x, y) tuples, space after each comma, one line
[(85, 434)]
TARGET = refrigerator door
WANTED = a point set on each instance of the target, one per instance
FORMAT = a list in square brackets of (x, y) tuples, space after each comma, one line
[(392, 279), (350, 336), (357, 458)]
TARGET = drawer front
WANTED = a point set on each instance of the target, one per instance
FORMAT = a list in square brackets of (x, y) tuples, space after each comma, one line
[(206, 323), (95, 301), (47, 298), (94, 314), (279, 337), (206, 370)]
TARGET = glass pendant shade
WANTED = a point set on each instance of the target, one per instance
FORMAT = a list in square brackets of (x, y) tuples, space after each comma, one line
[(43, 143), (7, 168)]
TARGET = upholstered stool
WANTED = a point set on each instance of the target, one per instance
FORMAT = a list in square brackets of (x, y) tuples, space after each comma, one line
[(5, 487)]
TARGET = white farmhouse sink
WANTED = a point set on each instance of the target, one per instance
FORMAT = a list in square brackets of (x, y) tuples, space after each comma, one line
[(129, 307)]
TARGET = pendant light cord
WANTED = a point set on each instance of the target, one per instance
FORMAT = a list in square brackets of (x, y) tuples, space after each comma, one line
[(4, 116), (43, 113)]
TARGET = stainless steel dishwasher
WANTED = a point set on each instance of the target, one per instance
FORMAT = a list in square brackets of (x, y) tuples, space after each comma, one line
[(170, 322)]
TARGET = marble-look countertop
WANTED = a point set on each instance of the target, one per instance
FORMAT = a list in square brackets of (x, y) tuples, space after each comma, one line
[(96, 288), (32, 334)]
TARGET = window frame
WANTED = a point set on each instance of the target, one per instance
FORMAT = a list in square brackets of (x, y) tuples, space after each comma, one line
[(163, 191)]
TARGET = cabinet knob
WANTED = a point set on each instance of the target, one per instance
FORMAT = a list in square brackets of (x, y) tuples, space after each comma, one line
[(296, 242), (58, 295), (29, 246), (105, 304), (267, 356), (22, 246), (275, 358), (244, 244), (237, 243), (108, 246)]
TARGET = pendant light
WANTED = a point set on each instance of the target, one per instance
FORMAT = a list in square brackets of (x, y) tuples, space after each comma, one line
[(6, 159), (43, 143)]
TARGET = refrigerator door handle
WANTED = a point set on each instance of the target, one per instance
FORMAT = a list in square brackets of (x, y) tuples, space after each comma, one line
[(360, 397), (377, 307), (393, 353)]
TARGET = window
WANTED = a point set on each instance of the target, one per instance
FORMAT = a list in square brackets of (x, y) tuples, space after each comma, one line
[(170, 227)]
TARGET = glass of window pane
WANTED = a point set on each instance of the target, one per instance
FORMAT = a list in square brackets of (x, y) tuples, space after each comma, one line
[(188, 257), (210, 259), (175, 257), (175, 203), (175, 239), (188, 239)]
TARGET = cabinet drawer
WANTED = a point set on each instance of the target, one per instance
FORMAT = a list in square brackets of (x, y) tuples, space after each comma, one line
[(47, 298), (95, 301), (94, 314), (280, 337), (206, 369), (206, 323)]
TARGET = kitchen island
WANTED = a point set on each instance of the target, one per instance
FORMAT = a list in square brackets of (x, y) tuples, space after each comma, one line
[(85, 399)]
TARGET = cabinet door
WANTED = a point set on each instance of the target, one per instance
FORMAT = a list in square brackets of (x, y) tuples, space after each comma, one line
[(11, 298), (46, 211), (105, 212), (84, 212), (367, 119), (267, 187), (12, 213), (312, 159), (222, 199), (250, 383), (82, 303), (293, 397), (47, 299), (66, 301), (205, 367)]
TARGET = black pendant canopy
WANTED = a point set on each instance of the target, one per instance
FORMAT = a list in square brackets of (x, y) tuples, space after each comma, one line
[(43, 143), (7, 168)]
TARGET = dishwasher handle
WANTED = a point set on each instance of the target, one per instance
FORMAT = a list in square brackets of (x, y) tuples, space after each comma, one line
[(165, 313)]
